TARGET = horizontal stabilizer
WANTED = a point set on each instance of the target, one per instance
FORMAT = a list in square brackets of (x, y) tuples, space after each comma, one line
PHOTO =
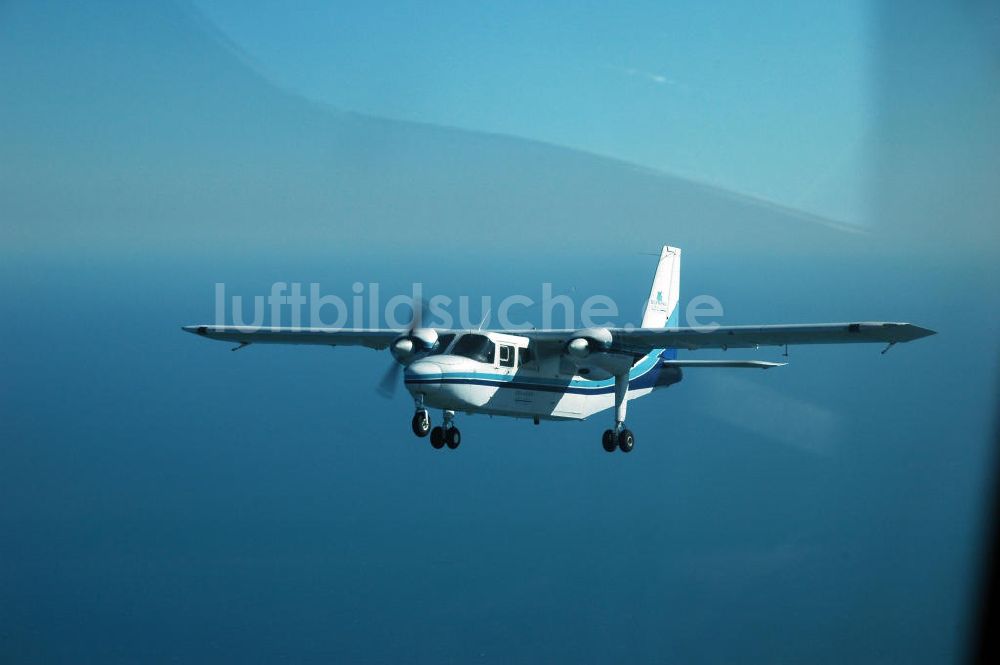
[(746, 364)]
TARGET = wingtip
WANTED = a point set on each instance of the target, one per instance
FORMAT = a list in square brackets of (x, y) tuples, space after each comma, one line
[(919, 332), (907, 332)]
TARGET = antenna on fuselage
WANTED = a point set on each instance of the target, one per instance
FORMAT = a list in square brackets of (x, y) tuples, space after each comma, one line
[(486, 318)]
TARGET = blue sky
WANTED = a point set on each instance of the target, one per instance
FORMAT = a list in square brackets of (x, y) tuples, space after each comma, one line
[(771, 99)]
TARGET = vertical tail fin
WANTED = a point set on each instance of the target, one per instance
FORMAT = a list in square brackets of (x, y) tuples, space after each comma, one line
[(661, 307)]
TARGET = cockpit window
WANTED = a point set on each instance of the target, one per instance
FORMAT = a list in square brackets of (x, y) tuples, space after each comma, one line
[(475, 347), (506, 355), (443, 342)]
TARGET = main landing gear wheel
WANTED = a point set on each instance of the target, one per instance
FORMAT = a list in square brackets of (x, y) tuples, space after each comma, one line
[(626, 440), (421, 423), (609, 440), (441, 436)]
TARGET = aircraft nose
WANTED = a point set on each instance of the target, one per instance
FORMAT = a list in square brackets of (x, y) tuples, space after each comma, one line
[(422, 372)]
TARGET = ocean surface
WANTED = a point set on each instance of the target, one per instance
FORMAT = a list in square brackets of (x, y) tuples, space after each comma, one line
[(165, 500)]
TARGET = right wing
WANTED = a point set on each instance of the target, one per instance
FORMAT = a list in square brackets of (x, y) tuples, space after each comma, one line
[(371, 338)]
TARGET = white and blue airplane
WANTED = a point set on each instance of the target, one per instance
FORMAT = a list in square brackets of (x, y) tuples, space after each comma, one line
[(560, 374)]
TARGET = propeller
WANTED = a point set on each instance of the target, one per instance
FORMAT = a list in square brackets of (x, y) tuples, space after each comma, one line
[(390, 380), (404, 346)]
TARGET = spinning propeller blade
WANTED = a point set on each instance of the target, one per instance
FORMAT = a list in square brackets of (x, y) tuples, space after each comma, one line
[(390, 380)]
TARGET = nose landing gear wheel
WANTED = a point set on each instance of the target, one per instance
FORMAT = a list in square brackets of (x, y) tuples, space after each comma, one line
[(608, 440), (453, 437), (626, 440), (421, 423), (437, 437)]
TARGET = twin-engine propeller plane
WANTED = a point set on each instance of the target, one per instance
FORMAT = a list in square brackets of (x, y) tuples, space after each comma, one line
[(560, 374)]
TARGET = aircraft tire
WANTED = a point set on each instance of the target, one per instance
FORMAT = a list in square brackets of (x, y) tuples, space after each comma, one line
[(453, 437), (421, 423), (437, 437), (608, 441), (626, 440)]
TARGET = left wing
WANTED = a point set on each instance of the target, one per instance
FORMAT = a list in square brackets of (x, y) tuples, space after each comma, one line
[(643, 340), (745, 337)]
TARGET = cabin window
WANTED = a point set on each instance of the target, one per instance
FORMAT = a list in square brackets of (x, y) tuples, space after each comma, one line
[(506, 356), (475, 347), (525, 354)]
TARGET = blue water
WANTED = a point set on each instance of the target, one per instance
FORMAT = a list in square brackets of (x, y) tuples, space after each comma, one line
[(163, 499)]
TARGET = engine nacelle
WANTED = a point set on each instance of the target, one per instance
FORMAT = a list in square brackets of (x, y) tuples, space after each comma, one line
[(578, 347), (419, 341), (589, 351), (588, 341)]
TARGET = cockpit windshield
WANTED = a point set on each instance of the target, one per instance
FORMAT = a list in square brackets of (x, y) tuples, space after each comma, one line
[(442, 344), (475, 347)]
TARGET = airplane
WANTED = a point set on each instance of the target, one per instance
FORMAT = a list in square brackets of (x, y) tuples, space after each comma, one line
[(560, 374)]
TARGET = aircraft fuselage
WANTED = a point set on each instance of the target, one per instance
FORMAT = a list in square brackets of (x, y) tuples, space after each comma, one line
[(504, 378)]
